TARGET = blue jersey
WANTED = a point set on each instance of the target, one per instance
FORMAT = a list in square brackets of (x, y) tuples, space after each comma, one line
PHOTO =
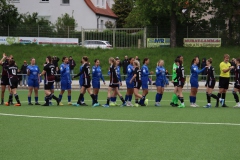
[(65, 72), (97, 74), (33, 72), (129, 72), (145, 73), (195, 71), (119, 74), (161, 74)]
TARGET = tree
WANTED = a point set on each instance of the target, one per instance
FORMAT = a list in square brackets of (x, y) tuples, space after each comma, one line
[(122, 8), (65, 24), (109, 24), (147, 13)]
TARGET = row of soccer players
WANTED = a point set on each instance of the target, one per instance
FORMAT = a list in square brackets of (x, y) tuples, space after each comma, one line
[(137, 77)]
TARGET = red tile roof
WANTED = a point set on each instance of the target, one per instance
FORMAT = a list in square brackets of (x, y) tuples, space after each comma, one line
[(101, 11)]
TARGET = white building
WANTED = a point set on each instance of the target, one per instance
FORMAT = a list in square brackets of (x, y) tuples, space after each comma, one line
[(87, 13)]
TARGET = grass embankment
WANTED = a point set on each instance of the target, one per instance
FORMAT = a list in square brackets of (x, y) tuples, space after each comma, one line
[(25, 52)]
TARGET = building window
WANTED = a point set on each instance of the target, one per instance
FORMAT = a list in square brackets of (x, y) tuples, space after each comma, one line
[(65, 1), (101, 25), (44, 1)]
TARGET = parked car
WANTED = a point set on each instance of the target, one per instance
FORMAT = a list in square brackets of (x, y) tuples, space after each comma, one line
[(96, 44)]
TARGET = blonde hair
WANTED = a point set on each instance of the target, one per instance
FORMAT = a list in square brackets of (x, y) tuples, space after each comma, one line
[(136, 63), (113, 61), (160, 61), (226, 55)]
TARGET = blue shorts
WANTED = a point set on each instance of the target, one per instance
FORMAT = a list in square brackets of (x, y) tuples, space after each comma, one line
[(160, 83), (33, 83), (96, 84), (145, 84), (130, 85), (194, 83), (65, 85)]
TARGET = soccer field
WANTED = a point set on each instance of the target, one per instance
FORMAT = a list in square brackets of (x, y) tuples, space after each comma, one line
[(124, 133)]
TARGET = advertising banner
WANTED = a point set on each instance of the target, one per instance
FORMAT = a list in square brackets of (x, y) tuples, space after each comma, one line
[(9, 40), (158, 42), (202, 42)]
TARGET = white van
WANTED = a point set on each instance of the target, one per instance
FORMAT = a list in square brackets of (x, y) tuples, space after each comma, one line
[(96, 44)]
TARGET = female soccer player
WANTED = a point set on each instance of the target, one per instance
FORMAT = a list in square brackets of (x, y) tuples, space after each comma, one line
[(114, 83), (81, 84), (144, 77), (210, 83), (48, 72), (237, 83), (33, 73), (96, 76), (130, 86), (160, 82), (86, 83), (66, 80), (137, 81), (181, 80), (4, 79), (13, 81), (114, 95), (194, 81)]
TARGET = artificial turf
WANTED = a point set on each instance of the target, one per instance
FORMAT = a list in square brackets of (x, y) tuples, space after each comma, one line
[(68, 132)]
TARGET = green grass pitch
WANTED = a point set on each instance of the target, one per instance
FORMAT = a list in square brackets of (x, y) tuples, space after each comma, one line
[(119, 133)]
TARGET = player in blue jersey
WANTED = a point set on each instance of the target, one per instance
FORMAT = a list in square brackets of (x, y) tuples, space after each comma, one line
[(130, 86), (81, 83), (161, 80), (114, 95), (145, 76), (66, 80), (194, 81), (96, 76), (33, 73)]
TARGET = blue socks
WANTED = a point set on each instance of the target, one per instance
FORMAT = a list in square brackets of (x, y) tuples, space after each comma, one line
[(158, 97), (29, 99), (60, 97), (126, 98), (36, 99), (130, 98), (69, 98), (192, 99)]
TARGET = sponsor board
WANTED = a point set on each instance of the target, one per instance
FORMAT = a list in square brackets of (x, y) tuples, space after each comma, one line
[(202, 42), (158, 42)]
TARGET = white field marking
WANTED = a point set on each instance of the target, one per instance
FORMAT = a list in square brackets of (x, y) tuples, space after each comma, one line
[(118, 120)]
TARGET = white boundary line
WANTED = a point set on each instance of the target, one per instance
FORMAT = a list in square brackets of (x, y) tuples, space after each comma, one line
[(117, 120)]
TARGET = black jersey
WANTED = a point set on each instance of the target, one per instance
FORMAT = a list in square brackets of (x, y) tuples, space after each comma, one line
[(210, 73), (113, 75), (237, 74), (180, 73), (137, 71), (12, 71), (50, 72), (86, 71), (4, 70)]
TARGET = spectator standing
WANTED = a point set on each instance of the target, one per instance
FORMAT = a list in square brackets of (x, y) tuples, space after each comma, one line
[(55, 60), (203, 65), (125, 64), (136, 58), (24, 73), (72, 64)]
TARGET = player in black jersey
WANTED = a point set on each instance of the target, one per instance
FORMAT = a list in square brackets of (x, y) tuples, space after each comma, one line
[(85, 71), (49, 75), (210, 83), (114, 82), (12, 70), (237, 83), (137, 81), (180, 80)]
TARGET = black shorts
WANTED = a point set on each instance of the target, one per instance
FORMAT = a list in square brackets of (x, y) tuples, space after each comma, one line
[(223, 82), (175, 84), (4, 81), (211, 84), (114, 85), (180, 84), (13, 82), (86, 82), (48, 85), (237, 85), (137, 84)]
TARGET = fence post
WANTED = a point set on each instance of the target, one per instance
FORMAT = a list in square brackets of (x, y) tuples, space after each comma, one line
[(114, 33), (38, 30), (187, 31), (68, 31), (83, 38), (8, 30), (145, 37)]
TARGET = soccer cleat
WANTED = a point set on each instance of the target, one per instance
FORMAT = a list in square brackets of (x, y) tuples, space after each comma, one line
[(37, 103), (116, 104), (129, 104), (75, 104), (96, 105), (50, 103), (105, 105), (224, 105), (30, 104), (144, 105), (84, 104), (175, 105), (221, 101), (236, 106), (181, 106), (193, 105), (112, 104), (157, 104), (136, 105), (207, 106), (7, 104), (45, 104), (61, 104), (146, 102), (171, 104), (196, 105), (17, 104), (69, 103), (124, 104), (58, 101)]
